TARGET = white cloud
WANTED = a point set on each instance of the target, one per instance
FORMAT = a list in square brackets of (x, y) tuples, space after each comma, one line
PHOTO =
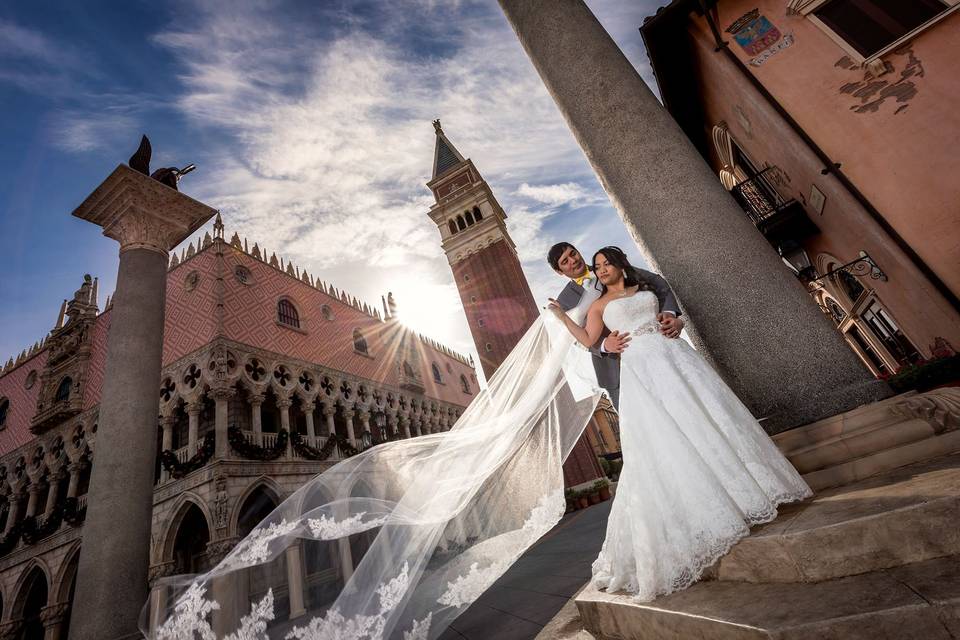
[(554, 194), (330, 142)]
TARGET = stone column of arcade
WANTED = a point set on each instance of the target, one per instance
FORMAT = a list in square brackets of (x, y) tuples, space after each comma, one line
[(148, 219), (751, 316)]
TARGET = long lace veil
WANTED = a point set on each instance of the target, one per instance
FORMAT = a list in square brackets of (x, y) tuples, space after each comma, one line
[(444, 516)]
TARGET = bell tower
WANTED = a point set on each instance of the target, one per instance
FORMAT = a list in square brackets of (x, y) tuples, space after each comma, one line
[(496, 297)]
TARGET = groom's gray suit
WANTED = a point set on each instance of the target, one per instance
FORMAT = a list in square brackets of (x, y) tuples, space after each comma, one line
[(607, 365)]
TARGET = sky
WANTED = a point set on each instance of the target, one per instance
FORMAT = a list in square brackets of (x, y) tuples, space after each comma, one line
[(310, 125)]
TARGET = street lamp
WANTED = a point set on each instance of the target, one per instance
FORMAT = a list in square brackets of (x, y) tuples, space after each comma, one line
[(794, 256)]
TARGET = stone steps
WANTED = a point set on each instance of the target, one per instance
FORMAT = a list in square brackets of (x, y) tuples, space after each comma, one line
[(903, 516), (876, 559), (874, 438), (919, 600)]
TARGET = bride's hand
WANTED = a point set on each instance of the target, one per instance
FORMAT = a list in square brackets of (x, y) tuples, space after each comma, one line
[(554, 307)]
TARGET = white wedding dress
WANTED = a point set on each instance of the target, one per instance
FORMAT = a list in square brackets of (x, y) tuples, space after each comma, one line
[(442, 516), (698, 469)]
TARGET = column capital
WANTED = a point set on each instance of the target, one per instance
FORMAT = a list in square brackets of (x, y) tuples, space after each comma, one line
[(256, 398), (194, 407), (349, 414), (329, 410), (168, 421), (222, 393), (142, 213), (284, 403)]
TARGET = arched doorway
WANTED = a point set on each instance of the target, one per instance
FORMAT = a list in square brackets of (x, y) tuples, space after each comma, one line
[(258, 504), (33, 598), (323, 564), (190, 544)]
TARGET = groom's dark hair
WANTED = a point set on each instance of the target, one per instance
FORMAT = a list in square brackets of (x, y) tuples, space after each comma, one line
[(553, 256)]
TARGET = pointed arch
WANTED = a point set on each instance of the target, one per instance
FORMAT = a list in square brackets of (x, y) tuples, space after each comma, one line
[(469, 217), (31, 594), (477, 215), (460, 223), (453, 226), (68, 571), (263, 483), (187, 500)]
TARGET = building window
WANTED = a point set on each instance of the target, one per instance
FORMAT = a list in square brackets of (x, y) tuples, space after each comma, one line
[(4, 409), (326, 312), (477, 215), (449, 368), (464, 384), (869, 26), (850, 285), (473, 299), (63, 390), (191, 281), (460, 223), (30, 381), (469, 216), (287, 314), (888, 333), (359, 342), (408, 370), (863, 347), (836, 312), (488, 347), (242, 274), (480, 322), (436, 373), (453, 226)]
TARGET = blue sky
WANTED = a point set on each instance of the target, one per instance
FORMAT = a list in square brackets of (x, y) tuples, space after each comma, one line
[(310, 126)]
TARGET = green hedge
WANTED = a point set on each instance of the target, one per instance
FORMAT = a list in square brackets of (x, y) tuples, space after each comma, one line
[(926, 375)]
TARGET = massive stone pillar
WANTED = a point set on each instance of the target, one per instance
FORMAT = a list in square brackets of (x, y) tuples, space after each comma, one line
[(221, 421), (147, 218), (751, 316)]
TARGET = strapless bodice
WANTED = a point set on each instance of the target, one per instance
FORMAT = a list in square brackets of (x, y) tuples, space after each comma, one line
[(636, 314)]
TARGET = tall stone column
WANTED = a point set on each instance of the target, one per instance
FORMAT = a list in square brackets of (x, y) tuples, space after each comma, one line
[(221, 421), (750, 315), (15, 499), (308, 408), (74, 468), (53, 617), (348, 419), (256, 417), (295, 581), (147, 218), (284, 405), (34, 491), (166, 444), (329, 410), (193, 425), (53, 493)]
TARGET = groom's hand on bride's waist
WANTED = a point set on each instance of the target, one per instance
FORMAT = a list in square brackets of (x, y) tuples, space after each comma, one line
[(616, 342), (670, 325)]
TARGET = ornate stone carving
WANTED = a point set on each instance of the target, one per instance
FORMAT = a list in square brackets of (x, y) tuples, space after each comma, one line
[(221, 502), (940, 408), (218, 549), (142, 213)]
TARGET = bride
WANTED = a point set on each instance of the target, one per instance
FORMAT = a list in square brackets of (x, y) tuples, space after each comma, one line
[(698, 468), (421, 527)]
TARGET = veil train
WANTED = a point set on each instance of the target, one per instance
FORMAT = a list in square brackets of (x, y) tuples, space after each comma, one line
[(448, 513)]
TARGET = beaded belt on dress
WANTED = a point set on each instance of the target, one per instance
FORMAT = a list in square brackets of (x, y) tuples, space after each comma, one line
[(650, 327)]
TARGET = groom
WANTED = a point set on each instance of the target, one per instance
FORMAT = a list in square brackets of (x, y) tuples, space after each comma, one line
[(567, 261)]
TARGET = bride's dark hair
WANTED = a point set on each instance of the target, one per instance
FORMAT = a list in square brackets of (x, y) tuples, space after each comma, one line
[(617, 258)]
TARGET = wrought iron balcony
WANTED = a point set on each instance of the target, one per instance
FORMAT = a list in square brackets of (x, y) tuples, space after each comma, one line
[(777, 219)]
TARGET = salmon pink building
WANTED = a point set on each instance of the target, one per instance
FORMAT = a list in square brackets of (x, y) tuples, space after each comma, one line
[(834, 124), (269, 376)]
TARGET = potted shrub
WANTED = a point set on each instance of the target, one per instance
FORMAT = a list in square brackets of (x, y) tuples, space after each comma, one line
[(602, 487), (582, 500), (593, 494), (571, 501)]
